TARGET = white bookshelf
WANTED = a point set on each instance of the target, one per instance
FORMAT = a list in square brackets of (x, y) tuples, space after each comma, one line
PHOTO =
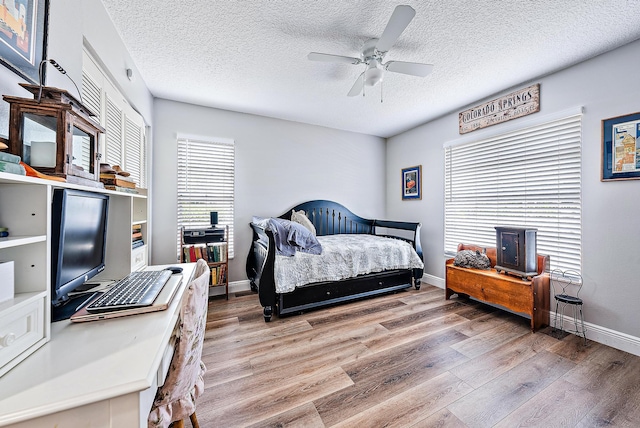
[(25, 208)]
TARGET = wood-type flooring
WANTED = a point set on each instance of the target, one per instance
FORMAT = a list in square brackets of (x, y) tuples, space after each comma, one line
[(410, 359)]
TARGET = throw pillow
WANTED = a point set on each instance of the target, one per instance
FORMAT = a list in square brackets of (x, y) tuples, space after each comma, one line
[(301, 218), (291, 237), (472, 259)]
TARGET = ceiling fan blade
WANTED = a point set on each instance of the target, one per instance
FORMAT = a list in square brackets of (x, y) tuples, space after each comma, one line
[(357, 86), (401, 17), (317, 56), (412, 68)]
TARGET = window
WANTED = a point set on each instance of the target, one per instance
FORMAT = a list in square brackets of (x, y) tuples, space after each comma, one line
[(205, 184), (124, 141), (528, 178)]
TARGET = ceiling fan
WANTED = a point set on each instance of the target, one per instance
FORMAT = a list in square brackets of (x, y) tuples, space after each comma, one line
[(373, 53)]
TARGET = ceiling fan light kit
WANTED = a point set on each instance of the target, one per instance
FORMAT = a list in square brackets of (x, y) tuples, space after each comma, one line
[(374, 74), (373, 53)]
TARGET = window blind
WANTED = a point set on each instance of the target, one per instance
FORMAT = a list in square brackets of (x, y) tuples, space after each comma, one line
[(526, 178), (205, 183)]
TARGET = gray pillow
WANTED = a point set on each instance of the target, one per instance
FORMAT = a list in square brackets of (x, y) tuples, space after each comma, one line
[(291, 237)]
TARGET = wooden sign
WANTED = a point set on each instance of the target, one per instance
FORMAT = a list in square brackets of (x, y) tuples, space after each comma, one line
[(516, 104)]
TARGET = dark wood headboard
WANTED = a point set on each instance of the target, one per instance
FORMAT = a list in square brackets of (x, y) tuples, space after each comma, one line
[(332, 218)]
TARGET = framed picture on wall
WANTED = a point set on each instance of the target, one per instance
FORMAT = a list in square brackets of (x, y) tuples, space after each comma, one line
[(621, 148), (411, 182), (23, 26)]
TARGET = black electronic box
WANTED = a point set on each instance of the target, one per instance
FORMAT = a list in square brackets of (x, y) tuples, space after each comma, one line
[(202, 236)]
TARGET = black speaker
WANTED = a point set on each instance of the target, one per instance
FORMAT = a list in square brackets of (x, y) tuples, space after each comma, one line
[(214, 218)]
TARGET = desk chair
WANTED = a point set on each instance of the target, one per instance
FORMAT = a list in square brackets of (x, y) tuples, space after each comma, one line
[(176, 399), (566, 289)]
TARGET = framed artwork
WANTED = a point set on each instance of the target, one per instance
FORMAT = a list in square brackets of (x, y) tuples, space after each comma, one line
[(23, 26), (621, 148), (411, 179)]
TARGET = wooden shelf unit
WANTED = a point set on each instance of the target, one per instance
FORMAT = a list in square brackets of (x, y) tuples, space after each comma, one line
[(216, 254)]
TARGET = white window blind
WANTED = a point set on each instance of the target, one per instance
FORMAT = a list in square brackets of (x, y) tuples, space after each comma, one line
[(526, 178), (205, 184)]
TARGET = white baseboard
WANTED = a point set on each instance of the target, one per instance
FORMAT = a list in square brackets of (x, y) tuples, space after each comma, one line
[(615, 339), (606, 336), (234, 287), (433, 280)]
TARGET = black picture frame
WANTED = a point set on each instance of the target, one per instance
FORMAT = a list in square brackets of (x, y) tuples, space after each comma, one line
[(621, 148), (23, 35), (412, 182)]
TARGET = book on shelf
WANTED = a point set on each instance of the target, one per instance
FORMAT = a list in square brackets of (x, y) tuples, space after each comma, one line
[(217, 253), (214, 276), (219, 275), (119, 180), (210, 253)]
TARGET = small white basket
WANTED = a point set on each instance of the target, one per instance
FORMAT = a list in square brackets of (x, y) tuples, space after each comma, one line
[(6, 280)]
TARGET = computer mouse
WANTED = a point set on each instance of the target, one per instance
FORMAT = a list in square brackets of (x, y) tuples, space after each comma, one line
[(174, 269)]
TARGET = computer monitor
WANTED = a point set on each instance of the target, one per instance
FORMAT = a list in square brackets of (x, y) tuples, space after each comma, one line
[(78, 244)]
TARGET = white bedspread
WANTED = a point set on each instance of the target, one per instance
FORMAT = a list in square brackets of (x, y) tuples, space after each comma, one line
[(344, 256)]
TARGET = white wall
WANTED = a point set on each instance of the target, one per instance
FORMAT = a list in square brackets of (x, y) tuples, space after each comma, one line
[(64, 44), (278, 165), (69, 22), (105, 41), (607, 86)]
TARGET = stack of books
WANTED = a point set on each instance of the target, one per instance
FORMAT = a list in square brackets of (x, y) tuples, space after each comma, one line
[(11, 164), (136, 236), (219, 275), (210, 253), (118, 182)]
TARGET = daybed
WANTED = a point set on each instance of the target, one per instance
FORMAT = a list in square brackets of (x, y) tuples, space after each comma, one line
[(330, 219)]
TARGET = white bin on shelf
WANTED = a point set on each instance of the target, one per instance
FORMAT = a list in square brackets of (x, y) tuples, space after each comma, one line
[(6, 280)]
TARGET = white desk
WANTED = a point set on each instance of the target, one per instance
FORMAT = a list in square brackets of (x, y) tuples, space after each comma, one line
[(97, 374)]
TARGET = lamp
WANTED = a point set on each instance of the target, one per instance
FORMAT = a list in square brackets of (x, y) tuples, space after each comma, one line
[(373, 74), (41, 72)]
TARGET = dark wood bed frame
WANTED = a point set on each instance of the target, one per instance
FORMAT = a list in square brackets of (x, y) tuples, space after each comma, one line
[(329, 218)]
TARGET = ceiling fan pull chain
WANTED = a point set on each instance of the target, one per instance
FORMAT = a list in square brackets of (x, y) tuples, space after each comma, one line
[(381, 87)]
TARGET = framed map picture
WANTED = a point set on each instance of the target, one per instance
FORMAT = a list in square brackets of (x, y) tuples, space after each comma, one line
[(621, 148), (411, 186), (23, 24)]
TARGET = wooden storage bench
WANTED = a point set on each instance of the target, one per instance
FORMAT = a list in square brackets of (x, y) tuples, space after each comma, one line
[(524, 296)]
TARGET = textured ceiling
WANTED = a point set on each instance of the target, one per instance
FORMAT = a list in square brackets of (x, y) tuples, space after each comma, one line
[(251, 56)]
